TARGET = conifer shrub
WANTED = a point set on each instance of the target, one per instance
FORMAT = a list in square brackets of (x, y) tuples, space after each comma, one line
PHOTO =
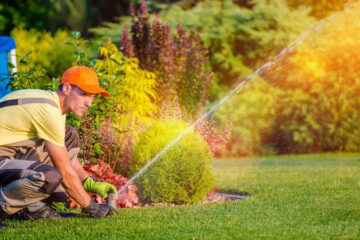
[(182, 175)]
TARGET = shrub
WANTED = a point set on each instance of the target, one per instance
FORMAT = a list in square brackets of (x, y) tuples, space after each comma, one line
[(178, 60), (47, 52), (182, 174)]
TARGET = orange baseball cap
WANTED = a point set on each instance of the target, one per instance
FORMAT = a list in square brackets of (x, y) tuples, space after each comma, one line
[(84, 78)]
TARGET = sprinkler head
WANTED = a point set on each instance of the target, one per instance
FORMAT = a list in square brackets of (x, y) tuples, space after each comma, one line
[(111, 200)]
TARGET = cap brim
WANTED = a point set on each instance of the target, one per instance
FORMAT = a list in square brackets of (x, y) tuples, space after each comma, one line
[(93, 89)]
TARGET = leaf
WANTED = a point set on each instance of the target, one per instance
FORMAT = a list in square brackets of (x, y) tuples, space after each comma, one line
[(79, 52), (76, 34), (27, 54), (115, 61), (69, 43), (92, 63), (97, 148)]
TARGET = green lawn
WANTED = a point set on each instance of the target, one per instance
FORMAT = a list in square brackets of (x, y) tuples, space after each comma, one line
[(292, 197)]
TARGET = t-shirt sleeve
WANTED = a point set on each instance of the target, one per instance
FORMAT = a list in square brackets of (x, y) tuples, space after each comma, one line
[(50, 126)]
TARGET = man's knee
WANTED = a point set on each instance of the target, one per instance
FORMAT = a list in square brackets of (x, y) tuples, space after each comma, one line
[(72, 139), (52, 178)]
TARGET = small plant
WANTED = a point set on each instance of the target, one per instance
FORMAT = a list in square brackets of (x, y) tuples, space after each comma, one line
[(29, 77), (183, 174), (102, 171), (77, 43)]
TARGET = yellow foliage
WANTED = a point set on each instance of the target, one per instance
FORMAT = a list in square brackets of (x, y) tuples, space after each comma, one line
[(132, 88), (47, 51)]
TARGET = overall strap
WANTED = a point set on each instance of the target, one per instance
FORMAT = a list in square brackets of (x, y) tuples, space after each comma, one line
[(21, 101)]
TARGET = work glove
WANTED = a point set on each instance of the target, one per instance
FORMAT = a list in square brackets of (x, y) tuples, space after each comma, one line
[(102, 188), (100, 210)]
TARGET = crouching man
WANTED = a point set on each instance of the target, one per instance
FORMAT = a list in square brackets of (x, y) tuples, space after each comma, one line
[(38, 151)]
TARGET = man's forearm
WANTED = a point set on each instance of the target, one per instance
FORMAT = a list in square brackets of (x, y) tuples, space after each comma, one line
[(79, 170), (71, 181), (74, 188)]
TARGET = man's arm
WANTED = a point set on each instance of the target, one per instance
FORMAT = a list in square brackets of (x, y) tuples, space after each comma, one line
[(71, 180), (79, 170)]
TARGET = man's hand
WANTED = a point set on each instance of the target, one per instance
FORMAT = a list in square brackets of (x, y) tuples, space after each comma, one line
[(102, 188), (100, 210)]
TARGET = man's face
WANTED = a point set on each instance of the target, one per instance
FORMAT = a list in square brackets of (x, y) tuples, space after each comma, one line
[(79, 101)]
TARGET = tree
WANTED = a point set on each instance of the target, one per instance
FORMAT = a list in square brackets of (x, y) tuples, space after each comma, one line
[(26, 13)]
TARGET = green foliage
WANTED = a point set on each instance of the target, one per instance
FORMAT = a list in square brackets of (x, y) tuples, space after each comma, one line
[(30, 77), (132, 88), (51, 15), (25, 13), (320, 9), (111, 30), (311, 101), (325, 75), (240, 39), (47, 52), (183, 174), (252, 113)]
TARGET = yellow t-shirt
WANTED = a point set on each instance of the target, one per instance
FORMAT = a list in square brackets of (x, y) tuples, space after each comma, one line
[(32, 120)]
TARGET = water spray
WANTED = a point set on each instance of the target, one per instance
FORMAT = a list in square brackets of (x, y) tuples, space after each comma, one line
[(268, 65)]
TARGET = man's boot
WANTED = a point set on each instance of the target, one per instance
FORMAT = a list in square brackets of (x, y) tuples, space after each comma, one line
[(3, 216), (44, 212)]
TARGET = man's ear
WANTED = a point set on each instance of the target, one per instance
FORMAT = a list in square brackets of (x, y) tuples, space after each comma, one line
[(66, 89)]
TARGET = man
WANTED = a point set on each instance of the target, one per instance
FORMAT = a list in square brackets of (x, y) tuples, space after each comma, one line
[(38, 152)]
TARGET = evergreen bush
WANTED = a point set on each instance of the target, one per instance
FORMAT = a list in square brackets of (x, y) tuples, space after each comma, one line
[(183, 174)]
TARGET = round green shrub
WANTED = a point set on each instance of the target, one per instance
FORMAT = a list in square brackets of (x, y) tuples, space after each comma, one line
[(182, 175)]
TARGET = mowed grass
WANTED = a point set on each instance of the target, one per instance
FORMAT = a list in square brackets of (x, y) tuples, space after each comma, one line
[(292, 197)]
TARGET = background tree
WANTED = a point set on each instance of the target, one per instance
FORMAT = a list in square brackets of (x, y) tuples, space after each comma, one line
[(26, 13)]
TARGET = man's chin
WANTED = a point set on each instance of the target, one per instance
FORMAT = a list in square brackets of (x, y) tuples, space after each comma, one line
[(79, 114)]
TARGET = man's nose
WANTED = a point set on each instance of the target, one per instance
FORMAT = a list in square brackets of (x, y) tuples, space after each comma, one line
[(88, 101)]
